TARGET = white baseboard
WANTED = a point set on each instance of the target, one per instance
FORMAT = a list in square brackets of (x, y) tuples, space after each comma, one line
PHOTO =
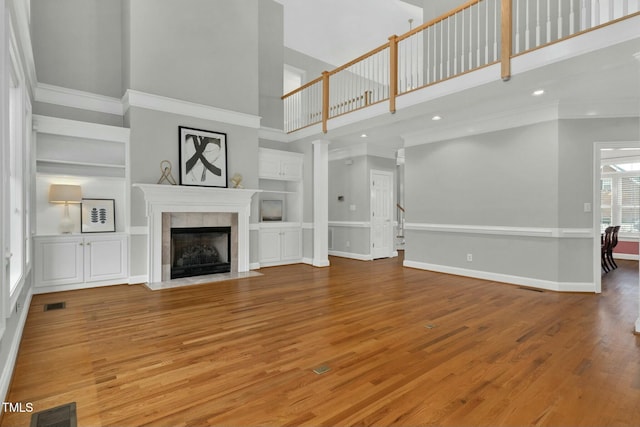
[(505, 278), (254, 266), (321, 263), (12, 355), (360, 257), (76, 286), (307, 261), (134, 280), (638, 326)]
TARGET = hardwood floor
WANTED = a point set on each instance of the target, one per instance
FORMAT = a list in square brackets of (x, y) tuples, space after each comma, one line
[(404, 347)]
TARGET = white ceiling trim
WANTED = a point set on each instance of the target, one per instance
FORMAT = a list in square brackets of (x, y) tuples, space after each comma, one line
[(134, 98), (58, 95)]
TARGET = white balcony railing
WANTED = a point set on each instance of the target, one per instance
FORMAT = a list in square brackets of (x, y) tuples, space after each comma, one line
[(474, 35)]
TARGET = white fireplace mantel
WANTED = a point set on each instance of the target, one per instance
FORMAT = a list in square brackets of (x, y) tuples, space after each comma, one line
[(178, 198)]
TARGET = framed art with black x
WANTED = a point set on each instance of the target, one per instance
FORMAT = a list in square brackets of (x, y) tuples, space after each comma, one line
[(203, 157)]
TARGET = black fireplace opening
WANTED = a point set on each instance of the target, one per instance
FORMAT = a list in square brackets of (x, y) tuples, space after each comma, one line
[(200, 250)]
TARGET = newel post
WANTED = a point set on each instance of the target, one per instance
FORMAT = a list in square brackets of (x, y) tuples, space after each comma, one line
[(325, 100), (393, 72), (506, 39)]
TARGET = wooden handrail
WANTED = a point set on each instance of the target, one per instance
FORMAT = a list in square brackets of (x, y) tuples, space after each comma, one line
[(359, 59), (438, 19), (303, 87), (399, 207), (393, 72)]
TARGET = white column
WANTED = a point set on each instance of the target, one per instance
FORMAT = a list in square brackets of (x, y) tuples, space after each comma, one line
[(321, 203)]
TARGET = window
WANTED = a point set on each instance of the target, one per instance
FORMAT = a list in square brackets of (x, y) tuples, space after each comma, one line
[(620, 198)]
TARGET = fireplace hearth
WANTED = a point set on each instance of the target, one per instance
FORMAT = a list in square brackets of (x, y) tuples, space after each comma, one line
[(197, 251)]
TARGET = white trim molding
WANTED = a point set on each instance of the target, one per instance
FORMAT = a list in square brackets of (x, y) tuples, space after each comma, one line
[(573, 233), (12, 354), (138, 280), (78, 129), (350, 224), (177, 198), (58, 95), (351, 255), (272, 134), (505, 278), (134, 98)]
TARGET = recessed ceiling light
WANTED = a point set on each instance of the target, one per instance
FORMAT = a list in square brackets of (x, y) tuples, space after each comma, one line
[(436, 118), (364, 135), (538, 92)]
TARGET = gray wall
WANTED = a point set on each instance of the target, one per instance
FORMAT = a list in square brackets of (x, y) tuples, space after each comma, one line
[(201, 51), (271, 60), (77, 44), (312, 66), (532, 176)]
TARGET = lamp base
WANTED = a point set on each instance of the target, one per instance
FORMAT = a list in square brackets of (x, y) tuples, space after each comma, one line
[(66, 225)]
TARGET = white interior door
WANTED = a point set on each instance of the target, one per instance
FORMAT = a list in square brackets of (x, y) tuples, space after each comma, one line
[(381, 214)]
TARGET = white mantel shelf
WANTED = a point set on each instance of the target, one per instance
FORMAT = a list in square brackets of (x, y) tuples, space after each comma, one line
[(181, 198)]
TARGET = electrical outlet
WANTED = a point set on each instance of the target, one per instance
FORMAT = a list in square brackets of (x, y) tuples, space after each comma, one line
[(348, 244), (469, 257)]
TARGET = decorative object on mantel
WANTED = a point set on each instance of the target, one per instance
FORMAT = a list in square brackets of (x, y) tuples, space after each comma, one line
[(98, 216), (165, 167), (236, 180), (203, 157), (59, 193)]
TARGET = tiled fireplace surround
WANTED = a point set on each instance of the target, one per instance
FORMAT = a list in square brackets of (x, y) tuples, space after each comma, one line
[(184, 206), (196, 219)]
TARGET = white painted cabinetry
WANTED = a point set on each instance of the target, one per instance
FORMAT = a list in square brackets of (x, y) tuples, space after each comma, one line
[(280, 245), (280, 174), (79, 261)]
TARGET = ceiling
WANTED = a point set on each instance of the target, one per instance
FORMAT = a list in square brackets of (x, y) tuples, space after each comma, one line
[(337, 31)]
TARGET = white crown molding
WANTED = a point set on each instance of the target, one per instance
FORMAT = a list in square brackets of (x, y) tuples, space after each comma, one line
[(272, 134), (78, 129), (134, 98), (58, 95), (504, 278), (569, 233)]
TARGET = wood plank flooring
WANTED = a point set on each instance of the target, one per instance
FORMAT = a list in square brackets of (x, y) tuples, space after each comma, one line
[(404, 347)]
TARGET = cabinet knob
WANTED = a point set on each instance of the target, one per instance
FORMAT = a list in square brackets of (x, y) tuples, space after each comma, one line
[(89, 244), (81, 244), (8, 255)]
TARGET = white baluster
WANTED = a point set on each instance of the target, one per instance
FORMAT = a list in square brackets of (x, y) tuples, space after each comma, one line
[(455, 45), (559, 20), (572, 19), (517, 41), (596, 12), (548, 21), (583, 15), (495, 30), (526, 31), (611, 12), (538, 43), (441, 24), (470, 38), (448, 47), (478, 47), (462, 40), (486, 32)]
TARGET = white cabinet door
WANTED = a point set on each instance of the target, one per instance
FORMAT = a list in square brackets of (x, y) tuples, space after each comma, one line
[(291, 240), (268, 165), (105, 258), (59, 261), (270, 247), (291, 169)]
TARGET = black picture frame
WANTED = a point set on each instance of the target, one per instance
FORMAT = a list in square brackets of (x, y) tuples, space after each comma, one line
[(203, 157), (98, 216)]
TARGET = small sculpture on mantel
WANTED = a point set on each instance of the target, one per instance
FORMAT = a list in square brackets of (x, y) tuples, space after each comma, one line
[(165, 167), (236, 180)]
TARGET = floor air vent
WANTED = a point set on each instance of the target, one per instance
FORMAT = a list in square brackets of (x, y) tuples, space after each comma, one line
[(60, 416), (55, 306)]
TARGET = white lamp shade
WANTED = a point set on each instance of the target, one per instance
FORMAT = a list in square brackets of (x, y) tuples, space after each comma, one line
[(59, 193)]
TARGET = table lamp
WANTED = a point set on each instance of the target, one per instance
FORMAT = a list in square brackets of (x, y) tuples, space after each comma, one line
[(66, 194)]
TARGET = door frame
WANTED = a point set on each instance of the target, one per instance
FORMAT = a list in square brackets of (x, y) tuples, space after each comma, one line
[(392, 251)]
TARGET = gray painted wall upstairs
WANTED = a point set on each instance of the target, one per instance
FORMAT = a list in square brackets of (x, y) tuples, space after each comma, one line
[(77, 44), (271, 46), (200, 51)]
